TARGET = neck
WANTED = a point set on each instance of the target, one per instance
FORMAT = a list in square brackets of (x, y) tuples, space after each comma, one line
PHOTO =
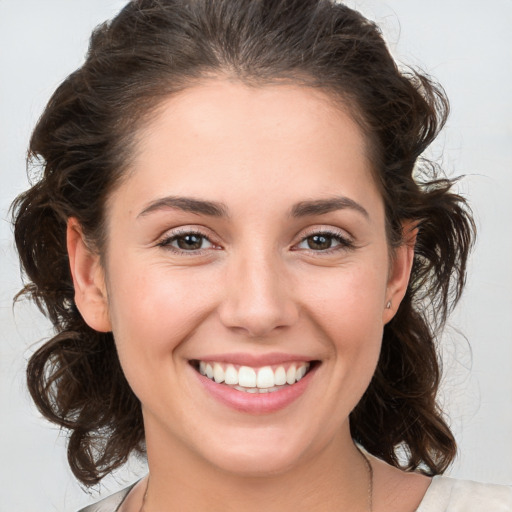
[(336, 478)]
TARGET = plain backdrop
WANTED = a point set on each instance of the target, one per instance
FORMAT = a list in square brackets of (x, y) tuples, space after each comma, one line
[(466, 45)]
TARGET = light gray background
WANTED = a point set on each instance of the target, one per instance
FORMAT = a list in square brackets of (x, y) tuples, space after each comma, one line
[(466, 44)]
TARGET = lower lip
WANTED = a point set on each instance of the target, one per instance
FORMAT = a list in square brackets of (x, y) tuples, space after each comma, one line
[(256, 403)]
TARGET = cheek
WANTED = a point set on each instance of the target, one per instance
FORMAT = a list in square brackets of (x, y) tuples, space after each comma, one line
[(352, 295), (347, 306), (153, 311)]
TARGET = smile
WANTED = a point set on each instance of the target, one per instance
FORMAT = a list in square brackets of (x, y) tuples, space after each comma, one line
[(266, 379), (255, 385)]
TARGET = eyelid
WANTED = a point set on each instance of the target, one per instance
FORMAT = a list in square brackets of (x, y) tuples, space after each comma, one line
[(164, 241), (345, 239)]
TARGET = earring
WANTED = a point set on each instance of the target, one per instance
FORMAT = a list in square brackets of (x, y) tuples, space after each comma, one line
[(388, 305)]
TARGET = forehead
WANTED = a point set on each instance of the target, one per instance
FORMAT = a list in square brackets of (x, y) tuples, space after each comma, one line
[(223, 103), (228, 139)]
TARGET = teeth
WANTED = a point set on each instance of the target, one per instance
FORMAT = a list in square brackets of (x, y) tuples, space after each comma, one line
[(300, 373), (290, 375), (218, 373), (231, 375), (254, 380), (280, 376), (265, 378), (247, 377), (258, 390)]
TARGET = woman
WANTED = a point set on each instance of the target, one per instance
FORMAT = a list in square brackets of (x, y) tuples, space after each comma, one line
[(247, 263)]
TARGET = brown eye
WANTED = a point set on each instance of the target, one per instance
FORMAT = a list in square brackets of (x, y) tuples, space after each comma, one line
[(319, 242), (190, 242), (324, 242), (187, 242)]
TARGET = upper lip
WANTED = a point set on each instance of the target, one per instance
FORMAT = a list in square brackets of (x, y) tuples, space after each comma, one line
[(254, 360)]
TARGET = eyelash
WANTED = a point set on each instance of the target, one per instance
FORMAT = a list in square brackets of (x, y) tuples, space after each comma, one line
[(344, 242), (168, 240)]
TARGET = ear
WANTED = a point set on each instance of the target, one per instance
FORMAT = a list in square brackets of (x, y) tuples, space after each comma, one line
[(400, 271), (88, 279)]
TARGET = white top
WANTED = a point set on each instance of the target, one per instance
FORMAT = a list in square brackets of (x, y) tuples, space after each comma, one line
[(451, 495), (443, 495)]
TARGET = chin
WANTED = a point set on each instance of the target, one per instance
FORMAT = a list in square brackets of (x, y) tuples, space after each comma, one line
[(257, 465), (256, 458)]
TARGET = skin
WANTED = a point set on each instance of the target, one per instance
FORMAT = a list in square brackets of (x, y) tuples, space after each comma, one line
[(255, 287)]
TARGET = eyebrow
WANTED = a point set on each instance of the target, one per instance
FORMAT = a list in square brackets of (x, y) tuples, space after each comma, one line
[(186, 204), (323, 206), (216, 209)]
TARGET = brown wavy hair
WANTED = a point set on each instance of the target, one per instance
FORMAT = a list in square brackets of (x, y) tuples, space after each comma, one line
[(82, 146)]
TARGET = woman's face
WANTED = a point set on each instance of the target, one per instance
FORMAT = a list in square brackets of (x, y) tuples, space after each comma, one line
[(248, 242)]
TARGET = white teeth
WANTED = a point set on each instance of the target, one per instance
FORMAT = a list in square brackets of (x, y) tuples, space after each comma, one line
[(246, 377), (291, 374), (301, 372), (218, 373), (265, 378), (254, 380), (258, 390), (280, 376), (231, 375)]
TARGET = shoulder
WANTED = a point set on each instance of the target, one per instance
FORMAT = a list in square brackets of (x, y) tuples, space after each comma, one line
[(109, 504), (450, 494)]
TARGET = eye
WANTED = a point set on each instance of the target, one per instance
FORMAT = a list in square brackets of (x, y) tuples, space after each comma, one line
[(189, 241), (324, 241)]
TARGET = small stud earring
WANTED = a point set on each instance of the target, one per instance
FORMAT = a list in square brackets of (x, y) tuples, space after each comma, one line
[(388, 305)]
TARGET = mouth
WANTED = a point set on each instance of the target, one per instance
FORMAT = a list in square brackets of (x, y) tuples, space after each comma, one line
[(255, 380)]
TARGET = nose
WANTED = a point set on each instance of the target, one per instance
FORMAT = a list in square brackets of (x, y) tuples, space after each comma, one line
[(259, 298)]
